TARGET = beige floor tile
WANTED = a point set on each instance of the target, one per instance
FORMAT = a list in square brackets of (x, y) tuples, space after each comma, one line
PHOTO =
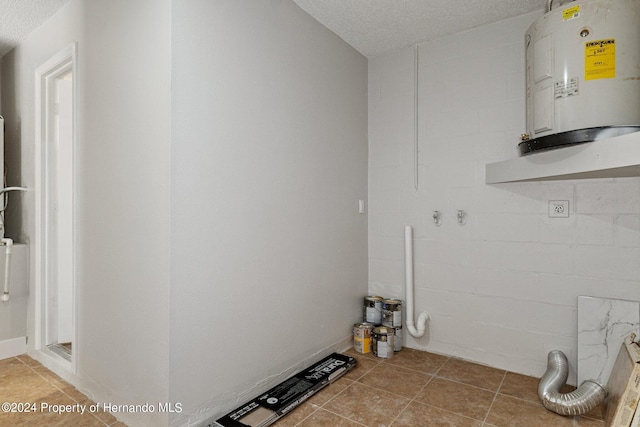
[(395, 379), (366, 405), (470, 401), (60, 420), (472, 374), (297, 415), (520, 386), (377, 393), (598, 413), (17, 417), (329, 392), (419, 415), (103, 416), (11, 363), (322, 418), (588, 422), (422, 361), (351, 352), (25, 387), (511, 412), (28, 360), (365, 364), (23, 379)]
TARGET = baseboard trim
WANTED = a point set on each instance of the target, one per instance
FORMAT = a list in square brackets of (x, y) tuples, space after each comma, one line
[(13, 347)]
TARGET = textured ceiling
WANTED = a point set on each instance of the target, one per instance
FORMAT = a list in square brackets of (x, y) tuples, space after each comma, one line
[(18, 18), (371, 26), (374, 27)]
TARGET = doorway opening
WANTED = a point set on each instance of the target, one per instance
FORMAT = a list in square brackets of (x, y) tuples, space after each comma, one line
[(56, 319)]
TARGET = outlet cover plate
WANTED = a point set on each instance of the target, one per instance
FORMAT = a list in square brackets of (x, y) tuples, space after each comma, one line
[(558, 209)]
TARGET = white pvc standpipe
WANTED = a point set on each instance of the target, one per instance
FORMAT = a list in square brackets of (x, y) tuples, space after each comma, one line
[(415, 330), (7, 268)]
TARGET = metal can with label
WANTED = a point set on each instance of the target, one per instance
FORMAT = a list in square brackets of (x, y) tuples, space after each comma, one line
[(362, 337), (383, 342), (392, 313), (398, 339), (373, 310)]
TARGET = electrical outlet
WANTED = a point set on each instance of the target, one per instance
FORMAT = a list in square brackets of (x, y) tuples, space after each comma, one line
[(558, 209)]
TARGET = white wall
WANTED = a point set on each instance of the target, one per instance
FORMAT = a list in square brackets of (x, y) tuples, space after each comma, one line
[(269, 253), (502, 290), (255, 226), (123, 181), (13, 313)]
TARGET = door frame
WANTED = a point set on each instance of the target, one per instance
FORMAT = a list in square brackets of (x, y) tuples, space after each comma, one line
[(45, 76)]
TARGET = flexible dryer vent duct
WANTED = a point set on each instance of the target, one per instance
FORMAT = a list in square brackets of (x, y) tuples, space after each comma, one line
[(580, 401)]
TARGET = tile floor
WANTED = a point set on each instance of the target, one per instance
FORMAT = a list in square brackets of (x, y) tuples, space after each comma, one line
[(23, 379), (414, 388)]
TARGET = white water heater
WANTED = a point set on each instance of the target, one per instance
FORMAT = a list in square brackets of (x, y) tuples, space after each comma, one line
[(582, 73)]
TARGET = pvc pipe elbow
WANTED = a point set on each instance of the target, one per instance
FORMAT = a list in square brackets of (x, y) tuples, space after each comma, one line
[(418, 330), (4, 297), (408, 262), (414, 332), (422, 320), (422, 323)]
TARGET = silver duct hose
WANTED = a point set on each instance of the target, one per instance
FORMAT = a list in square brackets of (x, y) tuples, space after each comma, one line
[(580, 401)]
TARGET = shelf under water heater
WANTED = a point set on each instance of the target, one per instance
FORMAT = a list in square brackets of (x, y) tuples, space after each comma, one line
[(582, 74)]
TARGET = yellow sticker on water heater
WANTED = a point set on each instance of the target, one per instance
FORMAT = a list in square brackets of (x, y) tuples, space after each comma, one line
[(570, 13), (600, 59)]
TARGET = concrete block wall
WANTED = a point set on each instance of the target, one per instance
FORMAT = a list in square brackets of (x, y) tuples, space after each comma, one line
[(502, 289)]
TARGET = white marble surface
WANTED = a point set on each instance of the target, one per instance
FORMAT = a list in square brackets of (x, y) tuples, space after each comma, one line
[(602, 326)]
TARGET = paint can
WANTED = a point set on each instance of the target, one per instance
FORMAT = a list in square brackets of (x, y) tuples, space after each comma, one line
[(373, 310), (392, 313), (362, 337), (383, 342), (398, 339)]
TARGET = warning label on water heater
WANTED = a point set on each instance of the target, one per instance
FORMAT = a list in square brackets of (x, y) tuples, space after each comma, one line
[(565, 88), (571, 13), (600, 59)]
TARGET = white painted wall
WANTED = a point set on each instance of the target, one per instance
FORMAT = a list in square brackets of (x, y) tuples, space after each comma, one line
[(265, 252), (269, 159), (267, 249), (502, 290), (13, 313), (123, 181)]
